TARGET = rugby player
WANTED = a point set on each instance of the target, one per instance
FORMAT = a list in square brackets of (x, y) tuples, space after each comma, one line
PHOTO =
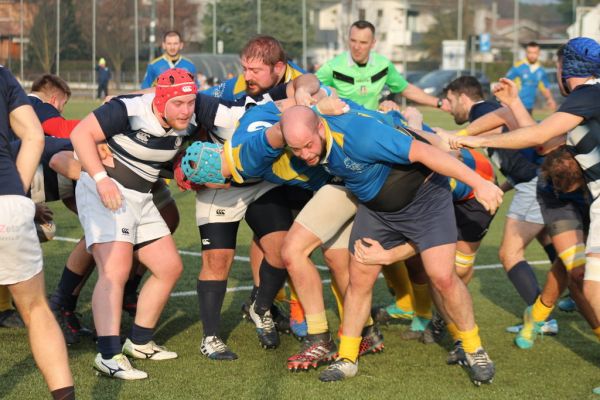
[(524, 220), (578, 70), (320, 141), (21, 268)]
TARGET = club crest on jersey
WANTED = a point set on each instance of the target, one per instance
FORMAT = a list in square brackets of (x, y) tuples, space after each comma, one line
[(178, 141), (353, 165), (142, 137)]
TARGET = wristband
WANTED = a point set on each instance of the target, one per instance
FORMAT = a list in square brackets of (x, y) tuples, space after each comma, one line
[(99, 176), (462, 132)]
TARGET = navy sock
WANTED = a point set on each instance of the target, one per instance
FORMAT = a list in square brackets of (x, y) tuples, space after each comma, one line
[(550, 252), (63, 296), (109, 346), (271, 281), (141, 335), (524, 280), (210, 298), (253, 293), (66, 393), (131, 286)]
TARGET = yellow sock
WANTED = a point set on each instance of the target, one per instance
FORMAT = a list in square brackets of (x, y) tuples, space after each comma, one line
[(470, 339), (338, 299), (453, 330), (422, 300), (349, 347), (539, 311), (597, 332), (5, 299), (396, 276), (316, 323)]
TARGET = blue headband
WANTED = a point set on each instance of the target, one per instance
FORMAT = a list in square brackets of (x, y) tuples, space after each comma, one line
[(581, 58), (206, 158)]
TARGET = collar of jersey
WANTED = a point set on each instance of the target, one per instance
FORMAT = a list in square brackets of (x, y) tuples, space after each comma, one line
[(328, 141), (352, 63)]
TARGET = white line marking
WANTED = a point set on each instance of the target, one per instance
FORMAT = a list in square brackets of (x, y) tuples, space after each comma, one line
[(246, 259)]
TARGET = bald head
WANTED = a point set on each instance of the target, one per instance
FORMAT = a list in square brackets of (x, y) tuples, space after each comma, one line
[(303, 132)]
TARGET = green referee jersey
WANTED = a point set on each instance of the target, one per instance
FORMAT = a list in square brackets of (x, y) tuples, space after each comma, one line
[(362, 85)]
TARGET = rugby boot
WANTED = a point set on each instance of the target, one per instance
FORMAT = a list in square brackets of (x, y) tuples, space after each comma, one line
[(372, 341), (339, 370), (265, 328), (215, 349), (549, 328), (435, 330), (456, 355), (567, 304), (118, 367), (415, 332), (315, 350), (526, 336), (148, 351), (481, 368)]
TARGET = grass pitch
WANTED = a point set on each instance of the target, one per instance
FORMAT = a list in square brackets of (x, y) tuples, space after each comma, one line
[(561, 367)]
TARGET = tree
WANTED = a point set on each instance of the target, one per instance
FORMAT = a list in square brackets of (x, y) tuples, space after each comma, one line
[(236, 23), (43, 35), (446, 29)]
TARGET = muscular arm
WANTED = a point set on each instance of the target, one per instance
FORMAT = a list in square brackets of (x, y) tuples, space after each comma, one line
[(27, 127), (369, 251), (64, 163), (488, 194), (555, 125), (85, 137), (417, 95)]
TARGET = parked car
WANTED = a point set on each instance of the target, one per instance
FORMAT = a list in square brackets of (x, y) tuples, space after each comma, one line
[(434, 82)]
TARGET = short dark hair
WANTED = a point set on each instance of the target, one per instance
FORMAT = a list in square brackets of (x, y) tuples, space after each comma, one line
[(362, 24), (172, 33), (467, 85), (561, 167), (532, 44), (265, 48), (48, 83)]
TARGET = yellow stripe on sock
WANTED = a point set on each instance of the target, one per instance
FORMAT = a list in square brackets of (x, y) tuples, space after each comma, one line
[(597, 332), (470, 339), (422, 300), (539, 311), (316, 323), (349, 347)]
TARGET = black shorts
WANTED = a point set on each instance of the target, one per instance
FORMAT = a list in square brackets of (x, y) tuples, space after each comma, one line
[(562, 215), (472, 220), (428, 221), (275, 210)]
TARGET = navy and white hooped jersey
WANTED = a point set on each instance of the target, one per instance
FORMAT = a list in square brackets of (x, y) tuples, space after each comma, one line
[(584, 140), (232, 111), (139, 142)]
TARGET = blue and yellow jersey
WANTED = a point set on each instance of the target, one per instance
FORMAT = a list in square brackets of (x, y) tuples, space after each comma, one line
[(163, 63), (249, 155), (363, 163), (478, 163), (235, 88), (529, 78)]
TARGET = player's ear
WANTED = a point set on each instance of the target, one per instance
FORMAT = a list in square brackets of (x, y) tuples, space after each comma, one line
[(279, 67)]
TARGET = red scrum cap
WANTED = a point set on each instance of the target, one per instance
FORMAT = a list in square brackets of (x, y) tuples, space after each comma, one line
[(173, 83)]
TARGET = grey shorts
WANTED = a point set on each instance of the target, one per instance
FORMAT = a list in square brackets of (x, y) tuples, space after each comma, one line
[(428, 221), (525, 206), (563, 215)]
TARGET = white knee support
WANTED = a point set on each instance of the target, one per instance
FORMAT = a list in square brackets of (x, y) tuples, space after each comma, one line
[(592, 269)]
